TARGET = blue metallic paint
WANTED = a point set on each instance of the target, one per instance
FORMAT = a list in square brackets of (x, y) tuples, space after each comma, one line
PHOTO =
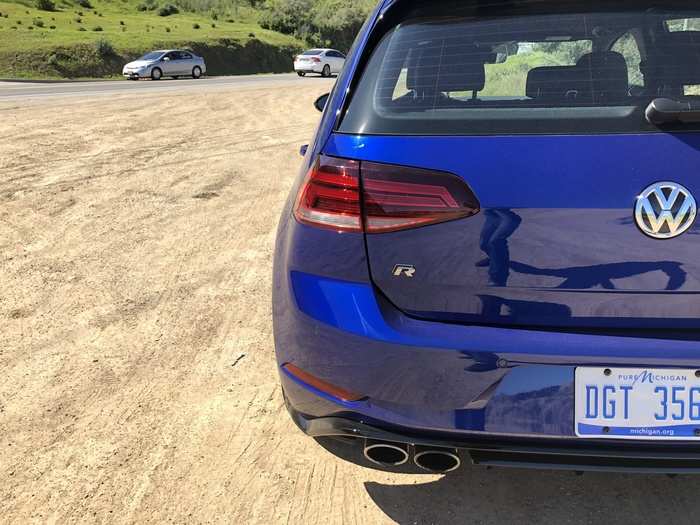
[(529, 259), (424, 375)]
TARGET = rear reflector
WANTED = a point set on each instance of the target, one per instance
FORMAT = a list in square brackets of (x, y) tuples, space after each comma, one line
[(393, 198), (320, 384)]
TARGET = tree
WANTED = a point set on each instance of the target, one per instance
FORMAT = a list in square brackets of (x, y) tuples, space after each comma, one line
[(332, 23)]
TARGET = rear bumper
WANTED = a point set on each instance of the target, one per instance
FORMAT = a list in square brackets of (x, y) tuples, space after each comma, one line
[(430, 381), (502, 451), (308, 68), (437, 377)]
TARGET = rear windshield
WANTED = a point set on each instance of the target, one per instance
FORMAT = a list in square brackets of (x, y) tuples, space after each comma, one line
[(311, 52), (530, 67)]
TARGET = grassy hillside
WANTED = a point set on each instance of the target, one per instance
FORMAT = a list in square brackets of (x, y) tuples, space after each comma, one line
[(93, 38)]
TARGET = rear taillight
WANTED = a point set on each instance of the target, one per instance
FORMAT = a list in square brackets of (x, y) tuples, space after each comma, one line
[(399, 198), (330, 195), (316, 59), (393, 197)]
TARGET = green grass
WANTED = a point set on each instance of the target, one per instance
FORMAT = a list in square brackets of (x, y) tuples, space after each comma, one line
[(25, 48)]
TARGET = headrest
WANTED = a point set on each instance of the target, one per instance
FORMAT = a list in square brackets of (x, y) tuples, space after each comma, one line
[(553, 82), (682, 43), (606, 75), (597, 77), (444, 67), (676, 60)]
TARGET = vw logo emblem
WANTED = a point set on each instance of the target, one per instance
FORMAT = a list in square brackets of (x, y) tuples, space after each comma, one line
[(665, 210)]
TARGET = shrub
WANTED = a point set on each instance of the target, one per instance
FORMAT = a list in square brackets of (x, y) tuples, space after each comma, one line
[(147, 5), (78, 20), (104, 48), (19, 22), (81, 28), (167, 10), (14, 27), (123, 29), (195, 26), (84, 3), (121, 22), (53, 60), (38, 22), (251, 35), (167, 30), (45, 5), (97, 28), (213, 25), (319, 21), (214, 15), (31, 28), (52, 27)]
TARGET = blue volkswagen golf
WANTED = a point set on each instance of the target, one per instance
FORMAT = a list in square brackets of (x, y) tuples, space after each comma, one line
[(491, 252)]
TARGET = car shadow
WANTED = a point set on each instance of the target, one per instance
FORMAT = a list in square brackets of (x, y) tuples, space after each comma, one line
[(603, 275), (320, 77), (475, 494)]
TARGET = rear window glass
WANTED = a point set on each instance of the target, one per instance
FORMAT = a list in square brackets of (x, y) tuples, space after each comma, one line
[(312, 52), (441, 69), (683, 24)]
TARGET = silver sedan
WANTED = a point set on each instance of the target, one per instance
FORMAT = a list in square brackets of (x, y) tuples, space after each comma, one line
[(166, 63)]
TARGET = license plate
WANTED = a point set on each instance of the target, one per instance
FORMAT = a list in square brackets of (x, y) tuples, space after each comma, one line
[(636, 403)]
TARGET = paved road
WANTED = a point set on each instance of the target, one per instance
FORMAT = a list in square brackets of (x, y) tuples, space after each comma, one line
[(23, 90)]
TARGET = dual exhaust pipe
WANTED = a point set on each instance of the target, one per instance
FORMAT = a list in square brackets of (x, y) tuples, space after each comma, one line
[(431, 459)]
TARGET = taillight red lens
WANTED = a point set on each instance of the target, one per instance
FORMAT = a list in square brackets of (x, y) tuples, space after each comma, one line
[(316, 59), (393, 197), (330, 196), (399, 198)]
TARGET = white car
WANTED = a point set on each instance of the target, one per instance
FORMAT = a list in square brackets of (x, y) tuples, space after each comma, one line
[(325, 62), (166, 63)]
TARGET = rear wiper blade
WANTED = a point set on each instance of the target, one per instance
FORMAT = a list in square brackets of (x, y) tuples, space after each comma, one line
[(666, 111)]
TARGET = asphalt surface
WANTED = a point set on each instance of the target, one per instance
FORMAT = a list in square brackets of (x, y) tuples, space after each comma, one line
[(10, 90)]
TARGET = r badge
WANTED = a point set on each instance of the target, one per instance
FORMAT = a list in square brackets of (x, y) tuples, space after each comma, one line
[(404, 270)]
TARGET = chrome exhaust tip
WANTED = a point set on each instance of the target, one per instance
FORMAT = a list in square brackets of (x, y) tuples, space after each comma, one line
[(437, 460), (386, 454)]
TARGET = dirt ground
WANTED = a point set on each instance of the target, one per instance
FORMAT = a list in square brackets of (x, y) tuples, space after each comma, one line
[(138, 382)]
